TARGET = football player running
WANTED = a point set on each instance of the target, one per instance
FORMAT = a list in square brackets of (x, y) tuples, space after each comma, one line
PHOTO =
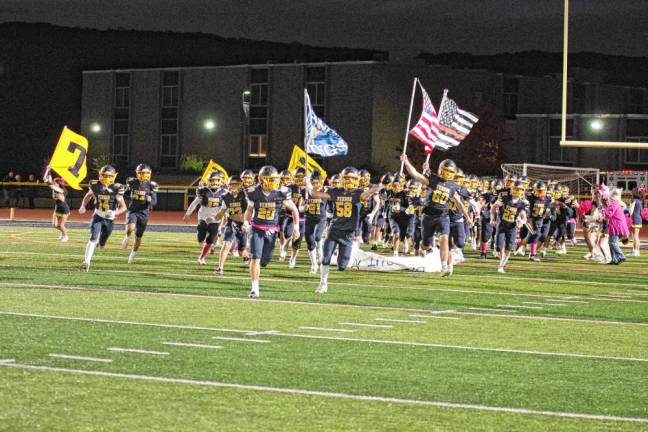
[(141, 196), (234, 205), (109, 203), (440, 191), (209, 198), (512, 209), (346, 204), (261, 220)]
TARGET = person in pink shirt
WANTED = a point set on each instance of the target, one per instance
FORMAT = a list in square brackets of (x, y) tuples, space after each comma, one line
[(618, 226)]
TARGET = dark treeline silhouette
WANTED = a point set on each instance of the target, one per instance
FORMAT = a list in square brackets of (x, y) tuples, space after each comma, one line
[(41, 66), (621, 70)]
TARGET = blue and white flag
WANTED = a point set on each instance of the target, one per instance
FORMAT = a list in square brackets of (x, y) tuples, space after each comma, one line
[(319, 138)]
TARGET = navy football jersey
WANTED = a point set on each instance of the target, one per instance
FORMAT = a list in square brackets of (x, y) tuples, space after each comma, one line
[(367, 205), (106, 196), (538, 207), (136, 193), (439, 193), (455, 213), (346, 208), (510, 210), (316, 207), (298, 194), (236, 204), (401, 201), (266, 206), (564, 213)]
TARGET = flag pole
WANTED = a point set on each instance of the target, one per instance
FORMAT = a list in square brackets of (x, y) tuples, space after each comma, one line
[(305, 123), (409, 119)]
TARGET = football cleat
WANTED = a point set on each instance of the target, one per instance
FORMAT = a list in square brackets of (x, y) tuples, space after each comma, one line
[(201, 261), (85, 266), (131, 259), (534, 258), (64, 238), (253, 294), (313, 269), (124, 243), (500, 270), (218, 272), (445, 272), (292, 263), (323, 287)]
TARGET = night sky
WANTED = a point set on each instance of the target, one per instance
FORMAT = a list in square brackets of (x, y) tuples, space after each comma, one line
[(404, 27)]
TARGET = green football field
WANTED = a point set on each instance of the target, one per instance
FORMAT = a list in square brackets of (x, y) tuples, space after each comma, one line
[(164, 345)]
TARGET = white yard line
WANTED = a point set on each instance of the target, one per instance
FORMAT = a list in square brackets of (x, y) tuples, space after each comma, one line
[(390, 400), (519, 306), (433, 317), (566, 300), (137, 351), (367, 325), (240, 339), (490, 309), (544, 304), (615, 296), (6, 361), (192, 345), (82, 358), (401, 320), (464, 347), (328, 329)]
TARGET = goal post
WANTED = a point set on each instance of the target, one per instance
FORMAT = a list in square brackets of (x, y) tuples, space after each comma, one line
[(580, 180)]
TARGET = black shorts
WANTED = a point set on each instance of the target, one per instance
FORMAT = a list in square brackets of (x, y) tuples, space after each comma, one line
[(207, 232), (506, 236), (403, 226), (433, 225), (61, 208), (313, 232), (344, 242), (458, 234), (140, 219), (233, 232), (262, 244)]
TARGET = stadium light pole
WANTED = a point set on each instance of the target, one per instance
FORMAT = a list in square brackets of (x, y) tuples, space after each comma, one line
[(246, 97), (563, 123)]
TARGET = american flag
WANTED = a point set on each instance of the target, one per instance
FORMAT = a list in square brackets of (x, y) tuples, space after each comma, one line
[(454, 123), (427, 128)]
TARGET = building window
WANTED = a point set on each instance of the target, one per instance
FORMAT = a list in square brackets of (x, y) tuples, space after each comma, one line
[(121, 119), (511, 92), (636, 101), (636, 131), (579, 97), (556, 153), (316, 86), (169, 123), (259, 114)]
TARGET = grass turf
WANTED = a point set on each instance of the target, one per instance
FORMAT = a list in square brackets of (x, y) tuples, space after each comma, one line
[(534, 353)]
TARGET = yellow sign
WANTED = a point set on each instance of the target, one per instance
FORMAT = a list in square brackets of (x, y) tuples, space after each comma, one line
[(300, 158), (69, 158), (211, 167)]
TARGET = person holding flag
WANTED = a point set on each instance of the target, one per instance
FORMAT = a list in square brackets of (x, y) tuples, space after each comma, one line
[(61, 207), (109, 203)]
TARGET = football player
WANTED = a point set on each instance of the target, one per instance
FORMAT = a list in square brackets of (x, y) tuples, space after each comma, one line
[(298, 195), (209, 198), (61, 207), (512, 210), (141, 196), (565, 210), (458, 231), (234, 205), (539, 204), (109, 203), (247, 178), (403, 214), (347, 203), (261, 219), (315, 220), (285, 222), (440, 191)]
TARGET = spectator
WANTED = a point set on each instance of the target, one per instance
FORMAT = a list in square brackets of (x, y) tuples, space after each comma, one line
[(6, 190), (618, 226), (31, 190), (18, 192)]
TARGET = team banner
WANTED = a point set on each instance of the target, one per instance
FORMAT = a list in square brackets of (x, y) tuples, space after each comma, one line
[(211, 167), (369, 261), (319, 138), (300, 159), (69, 158)]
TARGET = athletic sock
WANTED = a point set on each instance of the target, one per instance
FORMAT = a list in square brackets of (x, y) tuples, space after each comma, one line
[(312, 254), (534, 248), (255, 286), (90, 247), (484, 247), (205, 250), (324, 271)]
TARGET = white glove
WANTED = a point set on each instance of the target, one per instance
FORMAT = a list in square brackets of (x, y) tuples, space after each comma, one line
[(82, 210)]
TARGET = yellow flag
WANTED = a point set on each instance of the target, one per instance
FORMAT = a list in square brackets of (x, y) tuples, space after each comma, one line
[(69, 158), (300, 158), (211, 167)]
